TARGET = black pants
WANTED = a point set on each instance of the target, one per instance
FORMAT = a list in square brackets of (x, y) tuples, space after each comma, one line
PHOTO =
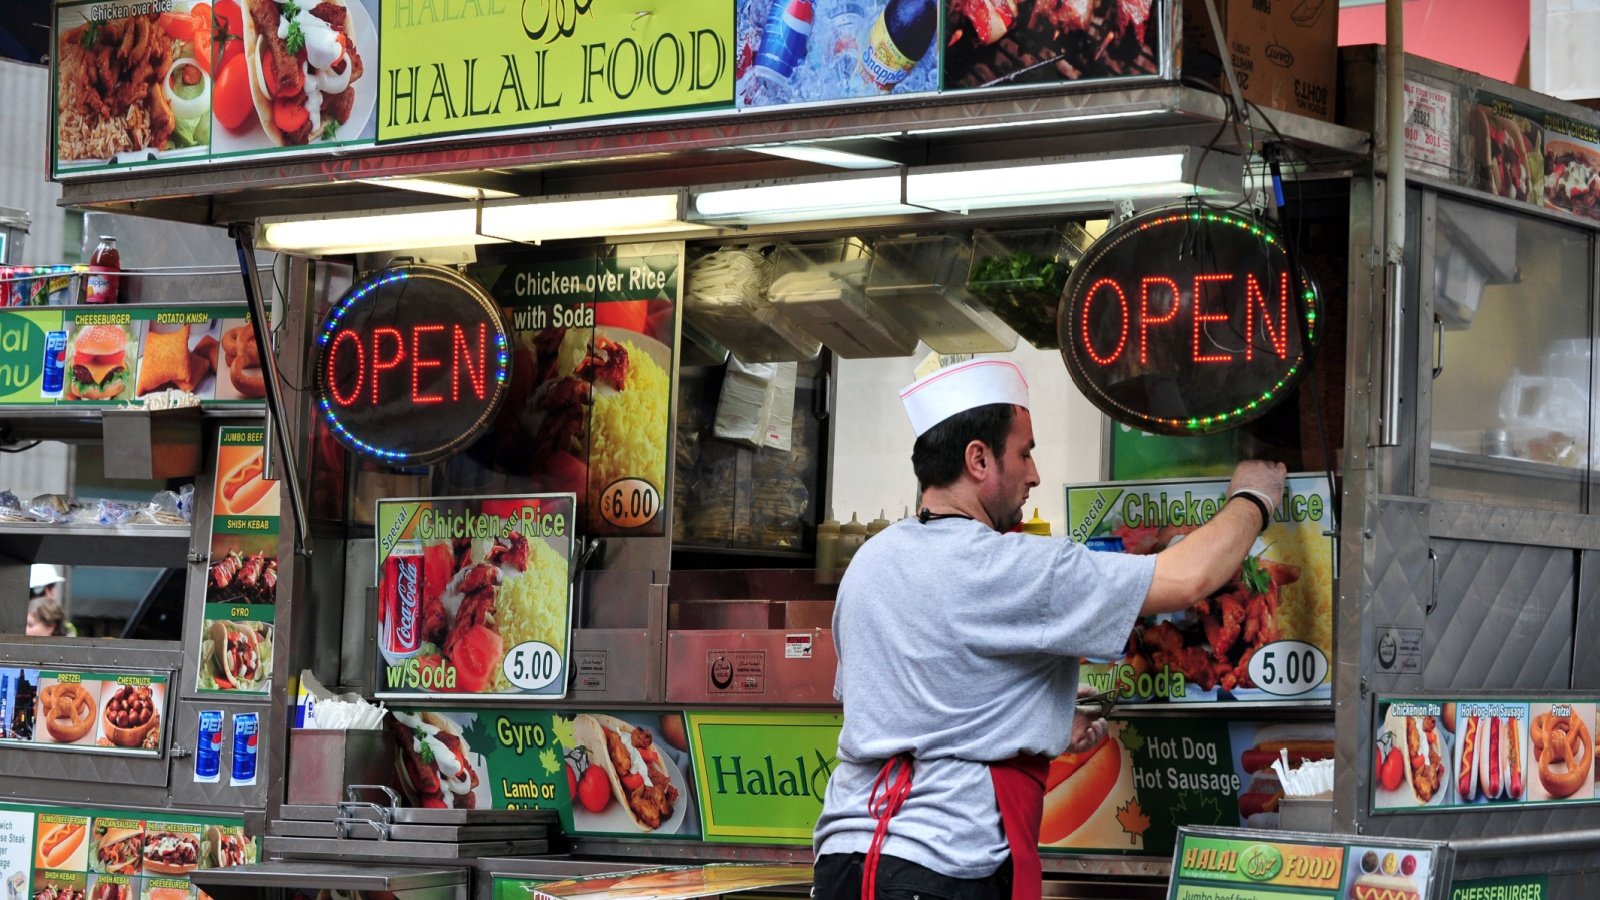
[(838, 877)]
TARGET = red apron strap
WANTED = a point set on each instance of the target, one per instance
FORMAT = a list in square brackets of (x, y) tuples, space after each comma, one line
[(895, 782), (1019, 792)]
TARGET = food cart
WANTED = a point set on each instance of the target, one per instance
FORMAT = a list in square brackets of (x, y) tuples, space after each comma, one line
[(537, 292)]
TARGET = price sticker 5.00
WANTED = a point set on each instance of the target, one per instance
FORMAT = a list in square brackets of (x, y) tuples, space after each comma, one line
[(1288, 668), (532, 665)]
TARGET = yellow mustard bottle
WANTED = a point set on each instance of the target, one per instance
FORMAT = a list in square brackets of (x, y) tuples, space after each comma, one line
[(828, 544), (852, 535), (1036, 525)]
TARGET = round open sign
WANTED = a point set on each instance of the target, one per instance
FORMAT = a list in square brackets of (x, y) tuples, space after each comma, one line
[(412, 364), (1187, 321)]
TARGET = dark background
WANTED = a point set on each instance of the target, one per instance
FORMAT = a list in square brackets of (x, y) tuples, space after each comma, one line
[(24, 29)]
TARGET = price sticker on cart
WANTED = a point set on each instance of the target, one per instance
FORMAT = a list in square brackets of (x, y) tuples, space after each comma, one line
[(1288, 668), (475, 595)]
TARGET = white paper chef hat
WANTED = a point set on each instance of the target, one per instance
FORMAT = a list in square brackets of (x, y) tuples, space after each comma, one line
[(979, 382), (42, 576)]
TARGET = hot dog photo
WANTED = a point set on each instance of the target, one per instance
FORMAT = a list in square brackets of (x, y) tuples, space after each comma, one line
[(1561, 751), (1379, 873), (1262, 792), (62, 842), (242, 488), (1492, 743), (1084, 793)]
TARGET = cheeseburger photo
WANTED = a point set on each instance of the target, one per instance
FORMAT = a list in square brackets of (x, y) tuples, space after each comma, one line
[(99, 368)]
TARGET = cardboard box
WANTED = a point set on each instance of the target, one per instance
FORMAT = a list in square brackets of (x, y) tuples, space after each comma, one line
[(1285, 52)]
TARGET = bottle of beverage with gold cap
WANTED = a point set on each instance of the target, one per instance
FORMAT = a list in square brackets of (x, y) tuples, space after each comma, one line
[(900, 37)]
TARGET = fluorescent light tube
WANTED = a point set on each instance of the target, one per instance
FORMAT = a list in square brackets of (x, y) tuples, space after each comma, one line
[(440, 188), (878, 195), (826, 156), (458, 225), (963, 189)]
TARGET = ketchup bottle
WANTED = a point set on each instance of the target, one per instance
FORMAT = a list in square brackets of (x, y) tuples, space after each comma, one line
[(103, 268)]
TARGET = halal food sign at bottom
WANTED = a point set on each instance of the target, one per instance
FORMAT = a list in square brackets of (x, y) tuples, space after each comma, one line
[(1187, 321), (475, 595)]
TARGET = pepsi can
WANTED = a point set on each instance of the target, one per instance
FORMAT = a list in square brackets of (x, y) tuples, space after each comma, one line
[(244, 747), (55, 362), (208, 747), (783, 40)]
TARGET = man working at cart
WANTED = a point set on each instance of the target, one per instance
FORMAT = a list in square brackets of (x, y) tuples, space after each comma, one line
[(958, 651)]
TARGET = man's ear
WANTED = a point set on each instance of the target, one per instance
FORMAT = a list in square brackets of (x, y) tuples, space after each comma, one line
[(978, 459)]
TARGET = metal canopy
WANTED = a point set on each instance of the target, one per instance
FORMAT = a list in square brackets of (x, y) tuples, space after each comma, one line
[(328, 876), (714, 148)]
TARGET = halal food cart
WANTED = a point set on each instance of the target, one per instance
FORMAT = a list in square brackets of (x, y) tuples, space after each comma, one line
[(565, 332)]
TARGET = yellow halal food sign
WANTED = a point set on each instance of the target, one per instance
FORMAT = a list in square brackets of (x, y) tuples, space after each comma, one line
[(455, 66)]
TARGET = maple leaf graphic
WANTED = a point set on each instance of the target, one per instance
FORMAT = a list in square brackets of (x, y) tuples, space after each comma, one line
[(1133, 821), (564, 731), (1131, 738), (1192, 810), (549, 760)]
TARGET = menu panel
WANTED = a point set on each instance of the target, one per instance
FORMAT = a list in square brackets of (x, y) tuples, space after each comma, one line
[(113, 713)]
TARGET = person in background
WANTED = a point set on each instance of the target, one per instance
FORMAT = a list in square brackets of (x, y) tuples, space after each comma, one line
[(46, 618), (958, 651)]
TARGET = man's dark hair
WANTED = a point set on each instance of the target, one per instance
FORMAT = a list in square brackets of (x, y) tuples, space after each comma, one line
[(940, 454)]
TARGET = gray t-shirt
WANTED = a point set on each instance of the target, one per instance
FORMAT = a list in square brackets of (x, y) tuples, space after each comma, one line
[(961, 645)]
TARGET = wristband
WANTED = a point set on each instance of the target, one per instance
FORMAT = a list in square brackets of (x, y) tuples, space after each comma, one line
[(1260, 504)]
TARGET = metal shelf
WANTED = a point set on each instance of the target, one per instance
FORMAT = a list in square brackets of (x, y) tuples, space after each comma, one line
[(83, 425), (120, 545)]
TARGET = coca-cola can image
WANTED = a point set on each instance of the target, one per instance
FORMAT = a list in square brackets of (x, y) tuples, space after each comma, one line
[(400, 596)]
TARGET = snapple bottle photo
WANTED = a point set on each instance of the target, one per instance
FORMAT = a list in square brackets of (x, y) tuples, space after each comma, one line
[(104, 282), (400, 602)]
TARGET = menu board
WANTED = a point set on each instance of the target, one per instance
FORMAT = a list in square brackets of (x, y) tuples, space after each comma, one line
[(54, 853), (236, 635), (1523, 153), (588, 408), (1265, 636), (94, 712), (474, 595), (100, 355), (1461, 754), (538, 759), (1224, 864)]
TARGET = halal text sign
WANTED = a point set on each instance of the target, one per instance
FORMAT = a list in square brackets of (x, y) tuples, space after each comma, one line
[(1187, 321), (411, 364)]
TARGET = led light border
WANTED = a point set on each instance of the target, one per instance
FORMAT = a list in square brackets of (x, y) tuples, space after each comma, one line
[(1196, 425), (358, 293)]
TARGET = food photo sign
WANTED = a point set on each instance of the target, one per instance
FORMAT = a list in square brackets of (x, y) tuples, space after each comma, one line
[(1227, 864), (123, 714), (59, 853), (184, 81), (588, 407), (1460, 754), (1265, 636), (237, 631), (615, 773), (1520, 152), (475, 595)]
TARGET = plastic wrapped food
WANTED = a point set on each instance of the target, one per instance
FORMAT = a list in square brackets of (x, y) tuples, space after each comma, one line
[(51, 508)]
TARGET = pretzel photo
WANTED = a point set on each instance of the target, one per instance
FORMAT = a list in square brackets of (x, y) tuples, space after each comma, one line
[(1565, 741), (67, 710)]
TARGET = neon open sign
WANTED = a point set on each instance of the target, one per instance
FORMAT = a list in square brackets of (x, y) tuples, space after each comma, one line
[(1187, 321), (412, 364)]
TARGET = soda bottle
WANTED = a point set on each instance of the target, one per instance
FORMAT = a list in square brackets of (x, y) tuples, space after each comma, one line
[(900, 37), (103, 268), (782, 47)]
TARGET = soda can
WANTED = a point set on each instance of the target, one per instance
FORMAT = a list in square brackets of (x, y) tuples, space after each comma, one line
[(208, 747), (245, 739), (400, 599), (55, 363), (1109, 543), (783, 40)]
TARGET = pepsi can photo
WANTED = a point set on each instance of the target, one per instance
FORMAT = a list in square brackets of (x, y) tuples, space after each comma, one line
[(784, 39), (244, 748), (208, 747), (55, 363)]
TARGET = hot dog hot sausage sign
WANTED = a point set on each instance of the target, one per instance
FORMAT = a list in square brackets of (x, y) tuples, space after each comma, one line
[(236, 639)]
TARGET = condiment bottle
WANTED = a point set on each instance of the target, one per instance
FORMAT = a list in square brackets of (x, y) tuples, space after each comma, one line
[(103, 283), (828, 544), (877, 525), (852, 535), (1036, 525)]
